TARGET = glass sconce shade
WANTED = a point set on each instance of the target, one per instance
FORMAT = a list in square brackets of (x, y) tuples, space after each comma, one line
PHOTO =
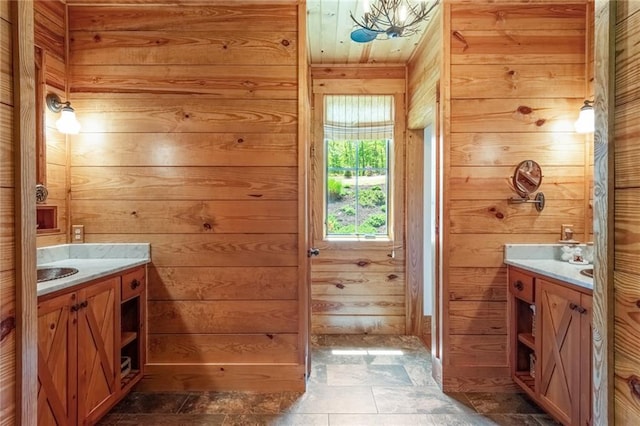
[(586, 119), (68, 123)]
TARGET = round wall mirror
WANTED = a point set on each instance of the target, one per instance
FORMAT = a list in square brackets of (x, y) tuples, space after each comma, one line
[(527, 178)]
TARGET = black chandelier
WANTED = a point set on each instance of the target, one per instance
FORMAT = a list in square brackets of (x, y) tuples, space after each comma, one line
[(385, 19)]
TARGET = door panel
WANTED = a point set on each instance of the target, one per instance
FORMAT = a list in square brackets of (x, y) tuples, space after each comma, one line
[(353, 279), (57, 361), (558, 373), (97, 362)]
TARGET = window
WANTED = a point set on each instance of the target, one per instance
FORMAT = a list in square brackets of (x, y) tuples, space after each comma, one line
[(358, 135)]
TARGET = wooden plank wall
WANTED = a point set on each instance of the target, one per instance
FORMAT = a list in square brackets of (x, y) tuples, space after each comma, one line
[(423, 75), (190, 118), (626, 258), (516, 86), (50, 36), (356, 286), (7, 226)]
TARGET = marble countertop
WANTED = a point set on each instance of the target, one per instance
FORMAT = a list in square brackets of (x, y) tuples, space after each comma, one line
[(93, 261), (544, 259)]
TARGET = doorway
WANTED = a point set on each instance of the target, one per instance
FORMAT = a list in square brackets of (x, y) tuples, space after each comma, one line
[(358, 277), (429, 236)]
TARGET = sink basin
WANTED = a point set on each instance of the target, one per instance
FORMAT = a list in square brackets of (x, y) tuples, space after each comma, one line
[(588, 272), (48, 274)]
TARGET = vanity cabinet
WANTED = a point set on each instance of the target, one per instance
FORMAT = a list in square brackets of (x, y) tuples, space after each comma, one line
[(83, 335), (550, 344)]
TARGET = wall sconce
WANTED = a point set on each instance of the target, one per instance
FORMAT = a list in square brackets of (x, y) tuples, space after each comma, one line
[(67, 123), (586, 120)]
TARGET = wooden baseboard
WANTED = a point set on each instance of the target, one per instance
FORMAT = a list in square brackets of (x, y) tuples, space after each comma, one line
[(223, 377), (478, 379)]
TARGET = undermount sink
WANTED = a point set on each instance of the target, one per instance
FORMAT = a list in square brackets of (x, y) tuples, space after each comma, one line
[(587, 272), (48, 274)]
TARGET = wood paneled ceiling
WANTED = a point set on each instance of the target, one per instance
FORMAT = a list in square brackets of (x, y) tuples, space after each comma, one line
[(328, 28)]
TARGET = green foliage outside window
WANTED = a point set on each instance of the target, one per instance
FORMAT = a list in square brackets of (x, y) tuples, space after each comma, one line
[(357, 187)]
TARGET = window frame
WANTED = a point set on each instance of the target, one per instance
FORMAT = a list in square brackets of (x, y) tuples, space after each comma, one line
[(396, 167), (382, 236)]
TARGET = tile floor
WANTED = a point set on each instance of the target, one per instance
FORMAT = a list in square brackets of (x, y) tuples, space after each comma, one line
[(356, 380)]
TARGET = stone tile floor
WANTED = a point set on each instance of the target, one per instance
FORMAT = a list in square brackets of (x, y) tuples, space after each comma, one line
[(355, 380)]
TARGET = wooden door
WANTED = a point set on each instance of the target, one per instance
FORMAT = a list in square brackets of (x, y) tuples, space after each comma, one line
[(98, 363), (558, 371), (57, 361), (358, 284), (586, 362)]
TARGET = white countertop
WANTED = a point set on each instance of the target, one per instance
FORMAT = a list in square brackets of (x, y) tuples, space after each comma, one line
[(92, 261), (543, 259)]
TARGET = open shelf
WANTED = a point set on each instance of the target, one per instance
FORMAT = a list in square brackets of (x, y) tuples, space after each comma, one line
[(47, 219), (127, 337), (129, 378), (528, 340), (524, 379)]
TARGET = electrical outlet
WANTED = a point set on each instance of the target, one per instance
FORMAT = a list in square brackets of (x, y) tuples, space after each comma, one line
[(77, 233)]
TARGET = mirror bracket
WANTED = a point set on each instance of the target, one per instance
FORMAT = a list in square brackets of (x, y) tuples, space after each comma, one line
[(538, 200)]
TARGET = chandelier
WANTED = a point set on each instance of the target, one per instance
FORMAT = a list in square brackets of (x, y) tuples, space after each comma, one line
[(385, 19)]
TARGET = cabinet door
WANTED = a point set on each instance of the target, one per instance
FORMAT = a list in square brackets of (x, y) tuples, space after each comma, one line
[(97, 360), (558, 371), (586, 363), (57, 361)]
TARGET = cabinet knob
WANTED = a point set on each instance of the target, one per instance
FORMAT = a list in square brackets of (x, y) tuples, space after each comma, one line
[(518, 285), (75, 307), (578, 308), (135, 284)]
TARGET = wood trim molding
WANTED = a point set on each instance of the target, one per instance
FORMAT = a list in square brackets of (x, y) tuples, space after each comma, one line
[(304, 268), (415, 229), (603, 298), (440, 346), (25, 211)]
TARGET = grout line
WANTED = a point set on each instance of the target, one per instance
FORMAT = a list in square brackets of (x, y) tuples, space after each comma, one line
[(186, 398)]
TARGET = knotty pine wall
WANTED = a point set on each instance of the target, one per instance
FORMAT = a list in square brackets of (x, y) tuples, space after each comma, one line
[(50, 37), (423, 74), (7, 224), (515, 79), (190, 142), (626, 265)]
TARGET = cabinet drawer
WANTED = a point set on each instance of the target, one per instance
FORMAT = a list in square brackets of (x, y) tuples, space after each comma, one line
[(521, 285), (132, 283)]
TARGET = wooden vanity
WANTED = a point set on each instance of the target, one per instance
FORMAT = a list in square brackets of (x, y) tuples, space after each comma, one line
[(550, 328), (91, 347)]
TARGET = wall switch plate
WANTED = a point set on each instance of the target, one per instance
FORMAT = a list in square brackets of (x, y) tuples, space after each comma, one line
[(77, 233)]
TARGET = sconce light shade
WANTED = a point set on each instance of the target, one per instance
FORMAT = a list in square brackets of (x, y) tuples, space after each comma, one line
[(586, 119), (67, 123)]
